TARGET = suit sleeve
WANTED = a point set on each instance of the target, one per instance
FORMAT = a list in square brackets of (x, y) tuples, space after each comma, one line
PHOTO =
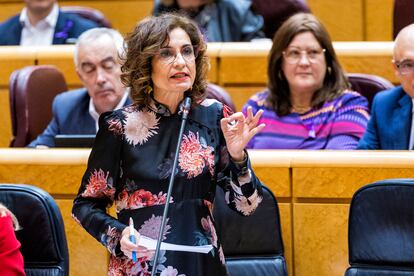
[(243, 190), (99, 184)]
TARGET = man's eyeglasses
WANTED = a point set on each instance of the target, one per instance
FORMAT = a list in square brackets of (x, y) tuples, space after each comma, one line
[(405, 67), (293, 55), (169, 55)]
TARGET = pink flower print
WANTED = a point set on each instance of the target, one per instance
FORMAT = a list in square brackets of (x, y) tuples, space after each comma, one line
[(115, 126), (99, 185), (120, 266), (170, 271), (140, 198), (111, 238), (140, 126), (244, 205), (209, 205), (193, 156), (208, 226), (122, 201), (227, 111), (151, 227), (221, 255)]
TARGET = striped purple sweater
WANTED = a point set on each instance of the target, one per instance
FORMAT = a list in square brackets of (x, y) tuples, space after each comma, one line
[(339, 124)]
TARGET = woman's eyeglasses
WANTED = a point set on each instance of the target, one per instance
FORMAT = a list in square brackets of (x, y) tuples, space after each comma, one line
[(405, 67), (169, 55), (293, 56)]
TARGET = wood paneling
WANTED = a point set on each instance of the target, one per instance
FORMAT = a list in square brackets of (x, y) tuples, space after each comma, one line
[(314, 216), (123, 14), (343, 19), (320, 239), (378, 20)]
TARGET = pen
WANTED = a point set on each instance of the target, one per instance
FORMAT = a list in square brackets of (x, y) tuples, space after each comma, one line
[(132, 238)]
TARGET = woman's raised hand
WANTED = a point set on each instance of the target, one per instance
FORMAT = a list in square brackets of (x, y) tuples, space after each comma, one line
[(238, 130)]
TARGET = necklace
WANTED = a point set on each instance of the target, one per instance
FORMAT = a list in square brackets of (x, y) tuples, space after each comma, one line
[(300, 109)]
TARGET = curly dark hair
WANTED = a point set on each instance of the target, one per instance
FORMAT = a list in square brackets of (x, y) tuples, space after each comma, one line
[(335, 81), (148, 37)]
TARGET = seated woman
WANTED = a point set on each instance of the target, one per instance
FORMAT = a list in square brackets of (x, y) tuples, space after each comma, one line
[(308, 104)]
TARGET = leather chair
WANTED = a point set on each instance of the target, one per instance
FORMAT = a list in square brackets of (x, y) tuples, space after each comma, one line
[(275, 12), (31, 93), (89, 13), (252, 245), (381, 229), (217, 92), (368, 85), (402, 16), (44, 247)]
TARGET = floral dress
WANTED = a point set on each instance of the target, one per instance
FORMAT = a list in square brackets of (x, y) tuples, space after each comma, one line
[(130, 165)]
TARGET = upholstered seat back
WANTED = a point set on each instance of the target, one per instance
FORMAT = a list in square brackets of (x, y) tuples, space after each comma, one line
[(368, 85), (252, 245), (381, 229), (89, 13), (217, 92), (42, 236), (275, 12), (32, 90)]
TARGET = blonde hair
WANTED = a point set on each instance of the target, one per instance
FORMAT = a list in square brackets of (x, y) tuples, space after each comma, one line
[(4, 211)]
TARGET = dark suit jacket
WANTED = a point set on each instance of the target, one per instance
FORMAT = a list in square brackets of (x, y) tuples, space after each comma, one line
[(70, 116), (390, 125), (68, 28)]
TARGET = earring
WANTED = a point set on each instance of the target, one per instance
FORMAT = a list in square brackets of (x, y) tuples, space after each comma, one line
[(329, 69), (148, 89)]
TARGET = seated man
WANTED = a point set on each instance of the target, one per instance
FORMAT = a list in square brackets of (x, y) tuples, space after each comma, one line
[(391, 123), (42, 23), (219, 20), (97, 63)]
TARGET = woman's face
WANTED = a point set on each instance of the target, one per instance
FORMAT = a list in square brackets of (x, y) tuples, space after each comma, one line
[(304, 64), (173, 67)]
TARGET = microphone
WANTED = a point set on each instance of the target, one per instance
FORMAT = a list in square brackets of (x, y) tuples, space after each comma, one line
[(185, 110)]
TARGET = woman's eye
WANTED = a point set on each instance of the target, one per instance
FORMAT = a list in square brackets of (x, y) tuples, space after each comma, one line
[(187, 51), (294, 53), (165, 53)]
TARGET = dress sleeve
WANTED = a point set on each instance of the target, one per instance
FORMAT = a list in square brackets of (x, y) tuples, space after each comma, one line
[(99, 185), (350, 122), (243, 190)]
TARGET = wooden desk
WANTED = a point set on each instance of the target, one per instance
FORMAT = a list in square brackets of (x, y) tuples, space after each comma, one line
[(313, 189)]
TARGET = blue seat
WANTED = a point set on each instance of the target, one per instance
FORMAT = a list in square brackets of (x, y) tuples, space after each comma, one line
[(381, 229), (44, 246)]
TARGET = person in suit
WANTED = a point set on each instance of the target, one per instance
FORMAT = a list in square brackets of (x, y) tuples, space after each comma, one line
[(42, 23), (390, 126), (96, 56), (219, 20)]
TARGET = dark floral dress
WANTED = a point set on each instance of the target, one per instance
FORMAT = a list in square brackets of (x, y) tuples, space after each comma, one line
[(130, 164)]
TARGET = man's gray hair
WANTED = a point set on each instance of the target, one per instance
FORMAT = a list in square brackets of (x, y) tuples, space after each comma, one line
[(92, 35)]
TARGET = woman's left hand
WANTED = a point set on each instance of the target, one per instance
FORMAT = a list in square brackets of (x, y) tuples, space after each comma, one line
[(238, 130)]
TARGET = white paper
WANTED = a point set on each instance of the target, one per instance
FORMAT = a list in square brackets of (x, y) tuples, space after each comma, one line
[(151, 244)]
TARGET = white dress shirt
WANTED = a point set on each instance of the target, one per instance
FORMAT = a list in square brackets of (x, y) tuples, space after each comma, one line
[(42, 33), (95, 114)]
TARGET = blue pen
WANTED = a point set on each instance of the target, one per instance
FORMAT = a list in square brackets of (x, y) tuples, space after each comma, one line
[(132, 238)]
